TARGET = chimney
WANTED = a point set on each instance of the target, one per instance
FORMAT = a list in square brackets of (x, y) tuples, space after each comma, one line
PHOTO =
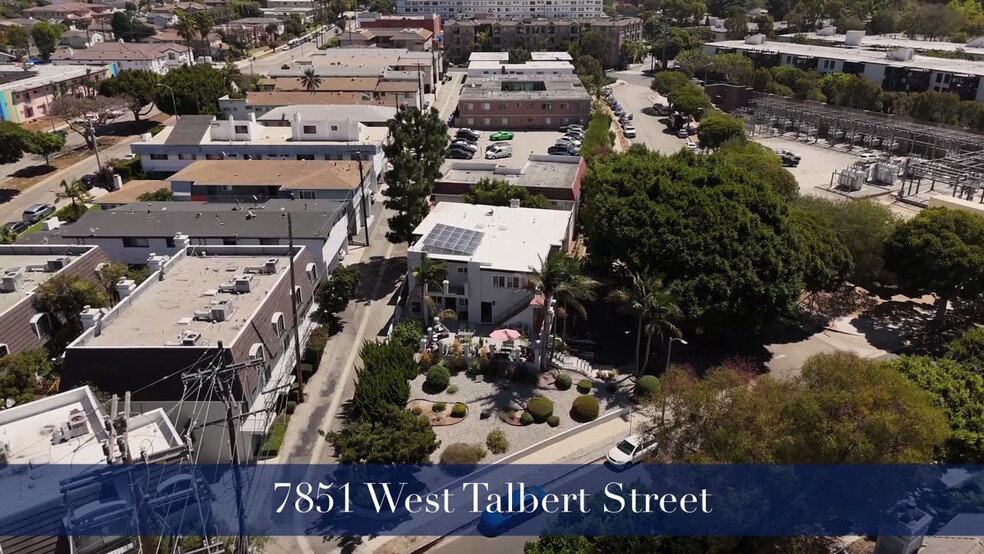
[(181, 241), (514, 202), (90, 317), (125, 287), (71, 53), (156, 263)]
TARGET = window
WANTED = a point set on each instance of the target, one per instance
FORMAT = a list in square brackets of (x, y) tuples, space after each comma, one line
[(28, 111), (169, 242), (229, 242), (269, 241), (305, 156), (545, 106), (41, 325), (4, 349), (546, 121), (257, 352), (306, 195), (487, 121), (212, 157), (502, 106), (186, 156), (462, 269), (241, 129), (939, 77), (334, 127), (278, 324), (158, 156), (469, 106), (486, 106), (310, 129), (505, 121), (298, 295), (508, 282), (135, 242)]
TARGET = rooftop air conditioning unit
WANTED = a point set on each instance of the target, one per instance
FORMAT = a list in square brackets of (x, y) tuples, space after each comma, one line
[(271, 265), (77, 426), (190, 338), (222, 311), (12, 280), (58, 263), (242, 283)]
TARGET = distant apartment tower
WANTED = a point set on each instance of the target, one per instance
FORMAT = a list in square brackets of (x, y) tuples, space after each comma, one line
[(449, 9)]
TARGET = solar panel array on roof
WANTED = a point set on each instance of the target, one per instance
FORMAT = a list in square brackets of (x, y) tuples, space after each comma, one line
[(455, 241)]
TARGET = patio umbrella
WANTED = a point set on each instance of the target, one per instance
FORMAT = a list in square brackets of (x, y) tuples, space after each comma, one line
[(504, 334)]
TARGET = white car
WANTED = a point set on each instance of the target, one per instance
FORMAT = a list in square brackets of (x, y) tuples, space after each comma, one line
[(569, 141), (630, 450), (470, 146), (629, 130), (497, 152), (868, 157), (692, 145)]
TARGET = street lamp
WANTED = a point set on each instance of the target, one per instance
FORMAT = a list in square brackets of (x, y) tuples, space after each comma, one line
[(174, 104), (669, 349)]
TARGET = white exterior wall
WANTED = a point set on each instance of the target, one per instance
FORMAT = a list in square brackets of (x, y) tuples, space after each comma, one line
[(874, 73), (325, 130), (501, 8)]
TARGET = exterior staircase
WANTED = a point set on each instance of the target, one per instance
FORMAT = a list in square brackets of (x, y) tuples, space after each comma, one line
[(513, 310), (573, 364)]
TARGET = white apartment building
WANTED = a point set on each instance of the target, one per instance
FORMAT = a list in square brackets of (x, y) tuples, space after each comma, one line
[(487, 68), (285, 8), (158, 58), (450, 9), (488, 252)]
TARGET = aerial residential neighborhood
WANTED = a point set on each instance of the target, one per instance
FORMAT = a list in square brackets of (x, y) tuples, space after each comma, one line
[(560, 241)]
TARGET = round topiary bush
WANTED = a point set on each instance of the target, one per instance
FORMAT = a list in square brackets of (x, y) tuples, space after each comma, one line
[(452, 389), (647, 387), (526, 418), (438, 378), (553, 421), (540, 408), (585, 409), (438, 407), (459, 410), (416, 410), (497, 441), (563, 381), (584, 386), (462, 453)]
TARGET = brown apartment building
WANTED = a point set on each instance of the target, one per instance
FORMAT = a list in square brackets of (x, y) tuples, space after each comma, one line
[(24, 268), (535, 34), (430, 22), (522, 102)]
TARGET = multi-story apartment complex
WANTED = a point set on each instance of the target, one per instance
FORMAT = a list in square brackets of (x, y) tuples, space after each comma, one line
[(262, 103), (285, 8), (897, 70), (449, 9), (412, 39), (158, 58), (482, 68), (523, 102), (488, 252), (26, 94), (503, 33), (200, 307), (373, 21), (389, 65)]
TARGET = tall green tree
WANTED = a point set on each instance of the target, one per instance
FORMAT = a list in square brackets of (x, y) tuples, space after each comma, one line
[(17, 38), (402, 438), (496, 192), (44, 144), (19, 375), (666, 82), (589, 70), (940, 251), (335, 293), (75, 192), (827, 261), (46, 37), (204, 23), (197, 89), (653, 306), (596, 44), (417, 148), (138, 86), (428, 273), (690, 100), (186, 30), (127, 28), (310, 80), (381, 382), (736, 24), (13, 142), (762, 161), (64, 297), (718, 128), (559, 279)]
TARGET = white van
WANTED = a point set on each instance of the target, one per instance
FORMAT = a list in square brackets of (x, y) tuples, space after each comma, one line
[(499, 151)]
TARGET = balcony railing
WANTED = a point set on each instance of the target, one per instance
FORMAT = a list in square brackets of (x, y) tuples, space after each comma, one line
[(453, 290)]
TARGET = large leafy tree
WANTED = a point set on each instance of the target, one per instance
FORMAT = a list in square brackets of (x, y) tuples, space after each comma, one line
[(968, 348), (19, 376), (959, 392), (826, 260), (417, 148), (402, 438), (44, 144), (596, 44), (127, 27), (690, 99), (13, 142), (654, 308), (197, 89), (760, 160), (717, 129), (940, 251), (64, 296), (496, 192), (381, 382), (589, 70), (338, 290), (718, 233), (46, 37), (666, 82), (77, 112), (138, 87)]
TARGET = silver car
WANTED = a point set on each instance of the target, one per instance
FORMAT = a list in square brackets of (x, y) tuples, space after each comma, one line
[(37, 212)]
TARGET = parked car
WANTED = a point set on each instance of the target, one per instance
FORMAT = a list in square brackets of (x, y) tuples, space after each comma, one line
[(629, 131), (60, 132), (692, 145), (37, 212), (470, 146), (113, 114), (16, 227), (469, 133), (868, 157), (459, 154), (571, 127), (630, 450), (562, 150), (502, 135), (682, 132), (90, 180), (497, 152), (579, 135), (568, 140), (494, 522)]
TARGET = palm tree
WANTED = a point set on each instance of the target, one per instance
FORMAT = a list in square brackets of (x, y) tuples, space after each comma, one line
[(203, 25), (310, 81), (76, 192), (559, 279), (430, 273), (186, 30), (7, 236), (654, 308)]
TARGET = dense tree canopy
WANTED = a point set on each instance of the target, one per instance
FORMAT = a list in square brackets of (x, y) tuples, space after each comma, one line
[(402, 438), (760, 160), (138, 86), (19, 376), (827, 261), (197, 89), (666, 82), (64, 296), (498, 193), (718, 128), (13, 141), (689, 99), (718, 233), (338, 290), (127, 27), (968, 347), (44, 144), (46, 37)]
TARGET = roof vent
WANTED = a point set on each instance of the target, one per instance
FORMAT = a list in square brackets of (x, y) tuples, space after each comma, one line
[(13, 280), (190, 338), (242, 283), (58, 263), (271, 265), (222, 310)]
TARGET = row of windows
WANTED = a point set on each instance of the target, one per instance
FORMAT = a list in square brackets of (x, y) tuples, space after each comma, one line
[(544, 106), (192, 157), (144, 242), (505, 121), (509, 282)]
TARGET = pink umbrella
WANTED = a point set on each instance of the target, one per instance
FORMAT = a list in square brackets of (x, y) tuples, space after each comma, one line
[(504, 334)]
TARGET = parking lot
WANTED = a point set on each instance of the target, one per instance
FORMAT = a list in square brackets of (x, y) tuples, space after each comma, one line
[(524, 143)]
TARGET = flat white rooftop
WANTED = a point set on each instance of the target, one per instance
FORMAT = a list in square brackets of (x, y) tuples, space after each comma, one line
[(894, 41), (551, 56), (160, 312), (500, 238), (928, 63), (41, 75), (279, 135), (489, 57), (33, 269)]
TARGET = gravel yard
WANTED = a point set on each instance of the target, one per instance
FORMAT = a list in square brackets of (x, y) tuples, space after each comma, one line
[(499, 394)]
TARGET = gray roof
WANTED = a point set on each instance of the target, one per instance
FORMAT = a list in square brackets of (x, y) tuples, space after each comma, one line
[(362, 114), (310, 219), (189, 130)]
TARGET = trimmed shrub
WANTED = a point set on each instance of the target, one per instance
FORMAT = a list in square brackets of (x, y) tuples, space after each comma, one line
[(563, 381), (438, 407), (553, 421), (462, 453), (474, 366), (585, 409), (647, 387), (584, 386), (452, 389), (315, 346), (526, 418), (459, 410), (291, 406), (438, 378), (540, 408), (416, 410), (497, 441)]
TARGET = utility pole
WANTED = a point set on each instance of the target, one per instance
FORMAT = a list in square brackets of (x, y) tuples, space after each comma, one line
[(420, 88), (293, 305), (365, 204), (95, 146), (224, 378)]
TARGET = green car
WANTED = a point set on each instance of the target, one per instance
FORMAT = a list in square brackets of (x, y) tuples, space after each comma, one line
[(501, 135)]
